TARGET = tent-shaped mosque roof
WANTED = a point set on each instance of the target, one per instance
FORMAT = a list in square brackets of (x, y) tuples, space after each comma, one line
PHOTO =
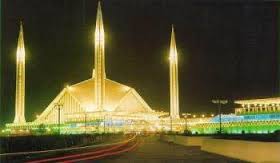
[(115, 93), (79, 98)]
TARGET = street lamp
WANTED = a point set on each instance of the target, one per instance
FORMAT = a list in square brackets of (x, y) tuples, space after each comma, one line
[(104, 125), (171, 124), (185, 115), (58, 107), (110, 130), (85, 122), (220, 102)]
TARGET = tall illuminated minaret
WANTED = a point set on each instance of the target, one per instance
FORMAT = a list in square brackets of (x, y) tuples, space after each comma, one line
[(173, 70), (99, 72), (20, 79)]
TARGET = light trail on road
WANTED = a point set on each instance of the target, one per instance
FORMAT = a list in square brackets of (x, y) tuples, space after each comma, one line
[(95, 153), (77, 155), (64, 149), (105, 154)]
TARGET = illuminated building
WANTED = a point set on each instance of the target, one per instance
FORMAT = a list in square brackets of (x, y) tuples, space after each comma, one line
[(99, 104), (254, 116), (20, 80), (258, 106), (78, 100), (173, 70)]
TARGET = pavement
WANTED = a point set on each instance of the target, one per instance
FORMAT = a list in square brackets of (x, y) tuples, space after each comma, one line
[(143, 149), (152, 150)]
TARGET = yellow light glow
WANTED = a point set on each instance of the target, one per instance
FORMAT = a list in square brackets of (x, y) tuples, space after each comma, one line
[(172, 56), (90, 107), (194, 116), (20, 55), (259, 101), (69, 87), (202, 115), (125, 88), (99, 36), (20, 47)]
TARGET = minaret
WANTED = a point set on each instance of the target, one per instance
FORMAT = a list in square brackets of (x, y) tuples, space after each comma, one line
[(20, 79), (99, 72), (173, 68)]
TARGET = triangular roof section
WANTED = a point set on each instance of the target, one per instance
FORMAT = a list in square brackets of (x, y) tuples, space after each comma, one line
[(133, 102), (50, 107), (84, 92)]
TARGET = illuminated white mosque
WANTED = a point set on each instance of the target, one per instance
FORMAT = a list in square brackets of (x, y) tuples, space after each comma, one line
[(99, 104), (97, 98)]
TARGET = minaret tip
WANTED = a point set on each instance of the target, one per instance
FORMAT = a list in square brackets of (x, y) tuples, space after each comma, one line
[(99, 21), (99, 6), (20, 24), (173, 29)]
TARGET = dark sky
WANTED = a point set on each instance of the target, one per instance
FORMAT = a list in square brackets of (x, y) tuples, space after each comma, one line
[(226, 49)]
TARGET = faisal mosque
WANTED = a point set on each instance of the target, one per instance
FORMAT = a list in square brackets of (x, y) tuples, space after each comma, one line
[(100, 104), (97, 99)]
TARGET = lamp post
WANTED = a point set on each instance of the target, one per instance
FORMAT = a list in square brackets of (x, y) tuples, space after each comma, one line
[(220, 102), (58, 107), (104, 126), (185, 115), (111, 125), (170, 124), (85, 122)]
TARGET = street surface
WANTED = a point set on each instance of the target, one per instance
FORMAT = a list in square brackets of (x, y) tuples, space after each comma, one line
[(142, 149), (153, 150)]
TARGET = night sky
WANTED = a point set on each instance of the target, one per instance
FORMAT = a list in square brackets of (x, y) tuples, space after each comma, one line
[(226, 49)]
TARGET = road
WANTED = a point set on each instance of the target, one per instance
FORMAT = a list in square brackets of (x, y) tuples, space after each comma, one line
[(144, 149), (153, 150)]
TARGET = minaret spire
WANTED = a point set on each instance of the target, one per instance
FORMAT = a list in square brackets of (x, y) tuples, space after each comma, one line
[(20, 79), (173, 70), (99, 72)]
